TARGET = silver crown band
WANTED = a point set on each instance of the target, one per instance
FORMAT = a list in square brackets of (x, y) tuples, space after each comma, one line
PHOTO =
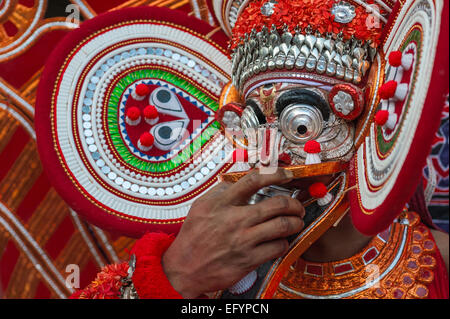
[(311, 51)]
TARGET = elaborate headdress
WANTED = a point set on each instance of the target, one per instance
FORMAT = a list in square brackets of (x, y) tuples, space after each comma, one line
[(279, 38)]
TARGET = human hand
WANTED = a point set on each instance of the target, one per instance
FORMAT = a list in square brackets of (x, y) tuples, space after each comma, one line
[(223, 238)]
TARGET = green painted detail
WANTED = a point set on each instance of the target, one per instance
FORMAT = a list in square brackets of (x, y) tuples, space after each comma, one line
[(114, 129), (383, 146)]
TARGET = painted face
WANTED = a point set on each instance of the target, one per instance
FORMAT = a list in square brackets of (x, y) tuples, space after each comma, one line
[(279, 119)]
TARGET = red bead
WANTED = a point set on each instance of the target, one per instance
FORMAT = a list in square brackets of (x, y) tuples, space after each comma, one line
[(142, 89), (146, 139), (395, 58), (381, 117), (387, 90), (318, 190), (133, 113), (312, 147), (150, 112)]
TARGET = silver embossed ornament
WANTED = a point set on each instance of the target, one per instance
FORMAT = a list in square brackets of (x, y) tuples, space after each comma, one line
[(343, 12), (268, 8), (343, 103)]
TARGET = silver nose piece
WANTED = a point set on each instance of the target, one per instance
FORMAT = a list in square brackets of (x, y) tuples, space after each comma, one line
[(271, 191)]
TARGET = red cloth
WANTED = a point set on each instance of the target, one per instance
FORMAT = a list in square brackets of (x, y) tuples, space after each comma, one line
[(149, 278)]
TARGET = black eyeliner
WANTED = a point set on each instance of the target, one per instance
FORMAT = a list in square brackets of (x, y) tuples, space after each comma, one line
[(302, 96)]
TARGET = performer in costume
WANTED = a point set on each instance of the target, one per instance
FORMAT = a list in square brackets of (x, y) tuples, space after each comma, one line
[(338, 93)]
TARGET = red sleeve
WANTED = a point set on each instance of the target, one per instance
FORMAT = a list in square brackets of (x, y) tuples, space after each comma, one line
[(149, 278)]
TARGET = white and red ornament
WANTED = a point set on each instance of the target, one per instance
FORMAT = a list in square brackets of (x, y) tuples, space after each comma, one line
[(346, 101), (133, 116), (145, 142), (312, 149), (151, 114), (140, 92), (386, 119), (319, 191), (394, 90), (397, 59)]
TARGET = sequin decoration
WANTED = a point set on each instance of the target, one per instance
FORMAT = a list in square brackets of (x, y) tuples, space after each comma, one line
[(399, 268)]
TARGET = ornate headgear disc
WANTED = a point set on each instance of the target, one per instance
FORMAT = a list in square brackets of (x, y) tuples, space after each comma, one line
[(122, 164)]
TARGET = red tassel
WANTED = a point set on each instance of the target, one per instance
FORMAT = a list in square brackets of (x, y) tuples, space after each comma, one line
[(318, 190), (133, 113), (395, 58), (387, 90), (150, 112), (381, 117), (146, 139), (142, 89), (149, 278), (312, 147)]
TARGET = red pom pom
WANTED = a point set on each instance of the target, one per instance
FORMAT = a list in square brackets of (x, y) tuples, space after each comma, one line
[(312, 147), (133, 113), (395, 58), (142, 89), (387, 90), (240, 155), (381, 117), (150, 112), (318, 190), (146, 139)]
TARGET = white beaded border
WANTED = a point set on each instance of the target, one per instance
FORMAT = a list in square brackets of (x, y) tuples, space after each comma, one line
[(393, 164)]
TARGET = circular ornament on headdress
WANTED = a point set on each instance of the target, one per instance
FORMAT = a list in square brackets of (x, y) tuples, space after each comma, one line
[(388, 164), (346, 101), (343, 12), (125, 117)]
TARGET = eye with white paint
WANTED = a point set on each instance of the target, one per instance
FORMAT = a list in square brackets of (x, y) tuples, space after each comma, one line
[(168, 134), (167, 102)]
